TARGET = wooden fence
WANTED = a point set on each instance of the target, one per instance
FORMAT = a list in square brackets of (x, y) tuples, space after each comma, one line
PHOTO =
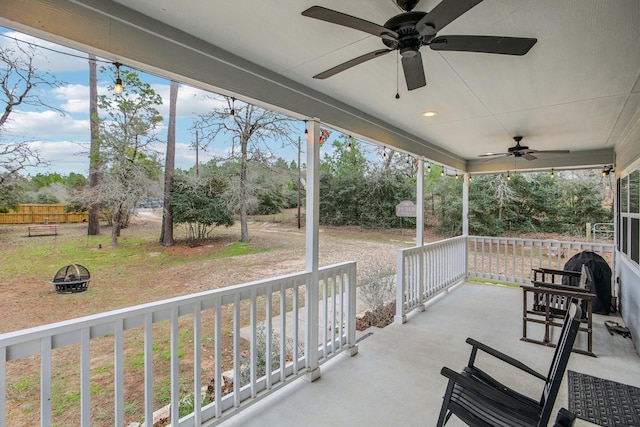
[(42, 214)]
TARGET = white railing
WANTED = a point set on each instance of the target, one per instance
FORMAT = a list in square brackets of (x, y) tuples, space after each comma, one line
[(120, 367), (511, 260), (424, 271)]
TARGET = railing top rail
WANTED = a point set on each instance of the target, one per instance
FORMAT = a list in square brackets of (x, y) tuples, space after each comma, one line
[(434, 244), (549, 242), (160, 309)]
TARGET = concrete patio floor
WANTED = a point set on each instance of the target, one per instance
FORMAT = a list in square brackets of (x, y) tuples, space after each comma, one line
[(395, 380)]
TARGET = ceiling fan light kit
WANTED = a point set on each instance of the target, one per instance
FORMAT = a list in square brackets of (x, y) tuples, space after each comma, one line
[(607, 169), (409, 31)]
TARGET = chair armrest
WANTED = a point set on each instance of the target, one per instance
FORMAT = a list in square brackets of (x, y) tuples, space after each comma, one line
[(557, 271), (499, 355), (560, 290), (472, 386), (558, 286)]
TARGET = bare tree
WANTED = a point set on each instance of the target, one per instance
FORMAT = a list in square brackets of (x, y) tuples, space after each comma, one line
[(249, 127), (93, 228), (122, 186), (18, 81), (166, 235), (387, 158), (502, 193)]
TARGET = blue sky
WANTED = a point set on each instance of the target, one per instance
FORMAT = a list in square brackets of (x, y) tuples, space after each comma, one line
[(64, 140)]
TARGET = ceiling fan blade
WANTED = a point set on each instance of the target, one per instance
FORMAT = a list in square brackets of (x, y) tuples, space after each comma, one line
[(494, 154), (442, 15), (351, 63), (486, 44), (335, 17), (551, 151), (413, 71), (529, 156), (490, 157)]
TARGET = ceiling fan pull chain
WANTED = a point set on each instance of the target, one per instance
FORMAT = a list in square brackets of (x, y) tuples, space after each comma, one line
[(397, 75)]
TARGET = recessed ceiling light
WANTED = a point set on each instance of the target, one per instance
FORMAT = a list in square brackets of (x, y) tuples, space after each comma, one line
[(430, 113)]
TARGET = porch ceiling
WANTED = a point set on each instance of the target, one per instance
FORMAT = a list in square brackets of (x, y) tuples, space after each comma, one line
[(577, 89)]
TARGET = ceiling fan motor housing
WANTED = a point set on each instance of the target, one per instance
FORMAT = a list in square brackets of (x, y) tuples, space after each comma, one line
[(518, 150), (409, 40)]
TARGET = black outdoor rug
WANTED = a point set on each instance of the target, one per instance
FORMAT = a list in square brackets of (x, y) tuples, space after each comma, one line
[(604, 402)]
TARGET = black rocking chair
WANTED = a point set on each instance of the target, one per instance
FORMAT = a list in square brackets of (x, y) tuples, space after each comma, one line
[(479, 400)]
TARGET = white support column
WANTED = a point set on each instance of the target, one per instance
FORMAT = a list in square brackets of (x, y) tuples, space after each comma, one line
[(312, 248), (465, 205), (420, 204), (352, 347), (420, 229), (400, 316), (465, 219)]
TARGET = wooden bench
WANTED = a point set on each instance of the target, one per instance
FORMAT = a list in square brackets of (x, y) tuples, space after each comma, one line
[(42, 230)]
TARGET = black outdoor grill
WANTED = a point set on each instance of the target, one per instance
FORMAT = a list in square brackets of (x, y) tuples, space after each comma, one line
[(601, 273), (71, 278)]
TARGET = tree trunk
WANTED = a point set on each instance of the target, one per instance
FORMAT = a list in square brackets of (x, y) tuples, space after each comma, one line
[(94, 152), (166, 235), (244, 228), (115, 229)]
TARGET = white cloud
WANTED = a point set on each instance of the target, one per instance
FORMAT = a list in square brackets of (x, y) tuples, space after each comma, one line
[(191, 101), (45, 125), (47, 58), (64, 157), (186, 154), (76, 105), (75, 98), (71, 91)]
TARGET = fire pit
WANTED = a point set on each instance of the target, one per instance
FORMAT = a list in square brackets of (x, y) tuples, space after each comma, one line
[(71, 278)]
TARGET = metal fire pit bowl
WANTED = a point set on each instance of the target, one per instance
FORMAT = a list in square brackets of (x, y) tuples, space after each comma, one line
[(71, 278)]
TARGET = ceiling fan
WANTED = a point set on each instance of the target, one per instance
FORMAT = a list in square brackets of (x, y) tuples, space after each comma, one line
[(409, 31), (523, 151)]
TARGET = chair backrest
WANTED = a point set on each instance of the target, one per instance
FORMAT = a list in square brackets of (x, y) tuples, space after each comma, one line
[(560, 360), (586, 278)]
